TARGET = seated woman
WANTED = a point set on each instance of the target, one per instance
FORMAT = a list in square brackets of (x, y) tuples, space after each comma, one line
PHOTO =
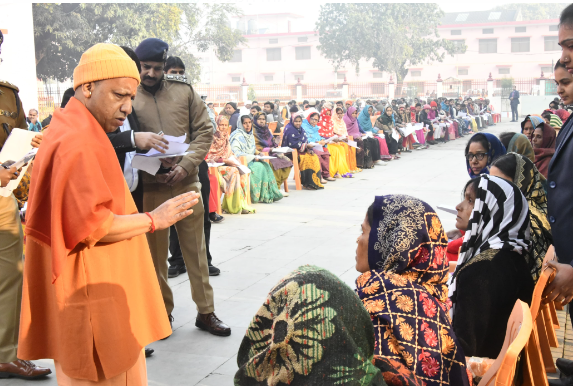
[(340, 129), (481, 150), (233, 184), (520, 171), (425, 116), (339, 339), (378, 145), (401, 253), (295, 137), (364, 153), (493, 270), (544, 138), (312, 130), (338, 166), (552, 120), (386, 123), (263, 187), (517, 143), (265, 142), (529, 124)]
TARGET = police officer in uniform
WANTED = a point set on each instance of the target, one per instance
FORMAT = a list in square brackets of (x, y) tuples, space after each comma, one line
[(168, 103), (11, 247)]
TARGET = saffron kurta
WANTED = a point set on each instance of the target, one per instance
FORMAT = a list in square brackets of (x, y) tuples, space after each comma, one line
[(81, 297)]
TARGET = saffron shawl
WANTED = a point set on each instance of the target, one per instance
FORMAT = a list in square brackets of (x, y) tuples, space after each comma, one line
[(61, 213), (405, 292), (220, 147), (326, 124)]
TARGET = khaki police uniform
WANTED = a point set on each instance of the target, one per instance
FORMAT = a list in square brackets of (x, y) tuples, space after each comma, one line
[(11, 238), (176, 109)]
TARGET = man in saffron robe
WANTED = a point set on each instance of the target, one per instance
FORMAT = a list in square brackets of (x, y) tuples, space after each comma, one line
[(90, 299)]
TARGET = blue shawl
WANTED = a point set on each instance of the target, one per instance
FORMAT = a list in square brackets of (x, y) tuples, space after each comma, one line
[(365, 121), (312, 132), (496, 149)]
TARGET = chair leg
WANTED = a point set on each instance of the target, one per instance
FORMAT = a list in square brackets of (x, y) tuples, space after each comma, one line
[(553, 313), (286, 189), (545, 350), (549, 327), (533, 351), (297, 172)]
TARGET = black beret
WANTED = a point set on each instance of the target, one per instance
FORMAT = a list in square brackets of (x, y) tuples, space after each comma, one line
[(152, 49)]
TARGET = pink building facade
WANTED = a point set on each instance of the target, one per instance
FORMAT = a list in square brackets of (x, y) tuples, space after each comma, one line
[(279, 50)]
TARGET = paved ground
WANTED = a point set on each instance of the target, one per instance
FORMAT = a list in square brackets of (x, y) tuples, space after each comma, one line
[(255, 251)]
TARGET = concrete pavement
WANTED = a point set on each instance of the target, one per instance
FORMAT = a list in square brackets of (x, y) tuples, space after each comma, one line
[(255, 251)]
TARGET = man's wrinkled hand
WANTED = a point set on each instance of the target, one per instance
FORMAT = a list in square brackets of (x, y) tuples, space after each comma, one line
[(147, 141), (169, 162), (176, 175), (7, 174)]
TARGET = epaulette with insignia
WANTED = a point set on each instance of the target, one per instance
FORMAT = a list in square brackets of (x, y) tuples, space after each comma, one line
[(10, 85), (177, 78)]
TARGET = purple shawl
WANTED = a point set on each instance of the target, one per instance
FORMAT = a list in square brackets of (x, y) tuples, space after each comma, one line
[(352, 124)]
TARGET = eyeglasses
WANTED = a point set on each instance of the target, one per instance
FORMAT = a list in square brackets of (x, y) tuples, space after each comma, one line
[(478, 156)]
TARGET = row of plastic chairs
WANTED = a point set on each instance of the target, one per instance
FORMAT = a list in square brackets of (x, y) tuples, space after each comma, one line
[(530, 330)]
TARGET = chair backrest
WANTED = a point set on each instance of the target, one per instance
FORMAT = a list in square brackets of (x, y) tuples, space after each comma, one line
[(546, 276), (229, 129), (519, 330), (550, 255), (272, 126)]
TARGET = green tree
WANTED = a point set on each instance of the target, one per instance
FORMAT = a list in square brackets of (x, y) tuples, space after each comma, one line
[(62, 32), (393, 36), (535, 11)]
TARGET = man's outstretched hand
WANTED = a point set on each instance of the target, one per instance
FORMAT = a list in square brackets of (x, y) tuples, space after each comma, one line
[(173, 210), (561, 288)]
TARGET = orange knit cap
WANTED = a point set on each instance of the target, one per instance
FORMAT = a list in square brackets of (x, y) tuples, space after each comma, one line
[(104, 61)]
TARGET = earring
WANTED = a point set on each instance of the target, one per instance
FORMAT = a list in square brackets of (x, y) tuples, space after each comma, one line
[(89, 94)]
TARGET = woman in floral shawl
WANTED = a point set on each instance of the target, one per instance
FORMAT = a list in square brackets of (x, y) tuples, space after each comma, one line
[(340, 129), (234, 185), (295, 137), (263, 187), (265, 142), (401, 254), (312, 330), (338, 165)]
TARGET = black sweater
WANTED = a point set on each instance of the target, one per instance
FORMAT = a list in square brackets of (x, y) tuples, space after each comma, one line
[(486, 293)]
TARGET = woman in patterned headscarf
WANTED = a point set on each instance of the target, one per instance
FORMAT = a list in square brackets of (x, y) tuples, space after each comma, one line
[(401, 254), (524, 174), (234, 185), (312, 330), (493, 269), (517, 143), (263, 186)]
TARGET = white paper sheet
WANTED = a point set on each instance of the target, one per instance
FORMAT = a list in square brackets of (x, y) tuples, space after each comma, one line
[(352, 144), (16, 146), (282, 149), (447, 208), (215, 165), (150, 161), (259, 157)]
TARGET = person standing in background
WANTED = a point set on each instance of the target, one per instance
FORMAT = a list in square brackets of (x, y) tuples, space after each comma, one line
[(34, 125), (514, 98)]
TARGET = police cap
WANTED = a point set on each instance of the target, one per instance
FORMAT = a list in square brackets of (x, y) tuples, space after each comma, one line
[(152, 50)]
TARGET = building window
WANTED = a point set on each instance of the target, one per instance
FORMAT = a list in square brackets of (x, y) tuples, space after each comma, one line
[(273, 54), (235, 79), (551, 43), (520, 44), (461, 47), (299, 76), (303, 39), (547, 70), (463, 72), (377, 75), (504, 70), (303, 53), (273, 41), (415, 73), (488, 31), (487, 46), (268, 78), (455, 32), (520, 29), (554, 28), (341, 75)]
